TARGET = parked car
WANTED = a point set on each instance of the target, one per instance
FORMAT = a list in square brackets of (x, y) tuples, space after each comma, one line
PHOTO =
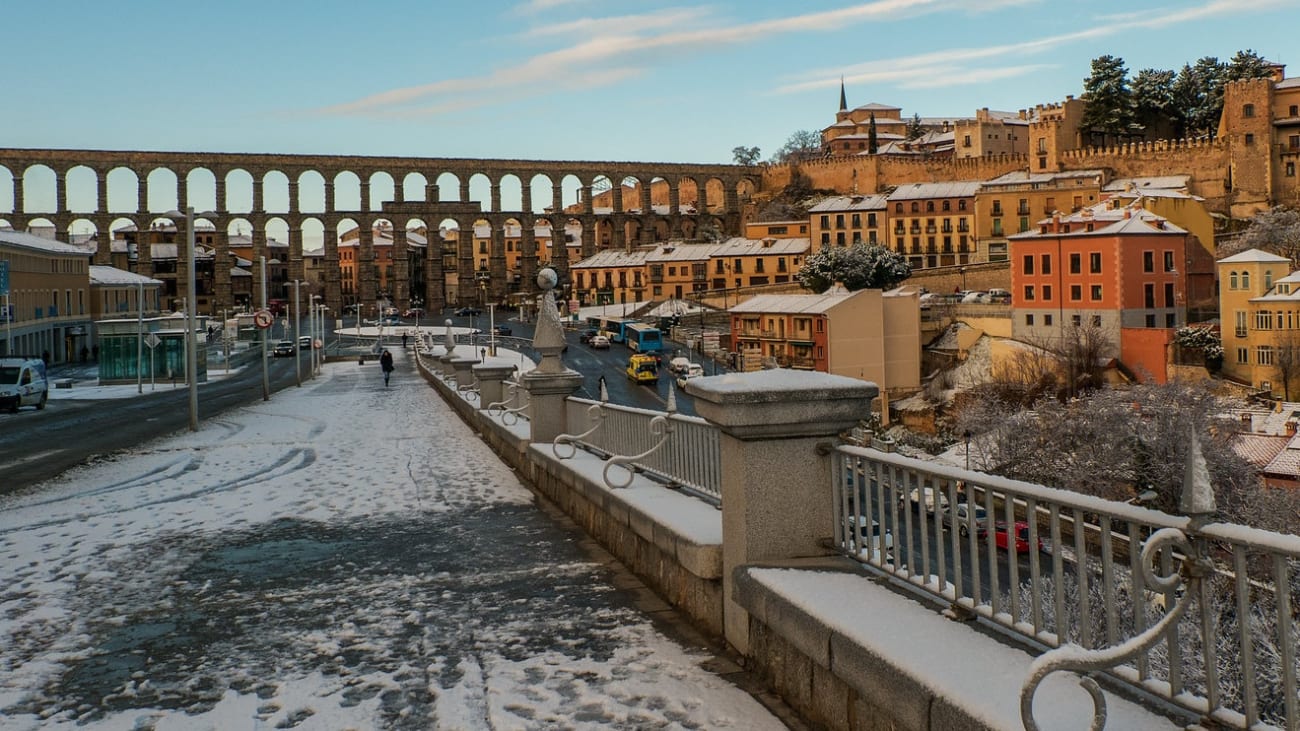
[(978, 298), (999, 296), (413, 312), (469, 312), (390, 321), (1020, 531), (588, 334), (960, 514), (283, 348), (23, 383), (927, 498), (679, 364), (599, 342), (871, 537), (693, 370), (502, 330)]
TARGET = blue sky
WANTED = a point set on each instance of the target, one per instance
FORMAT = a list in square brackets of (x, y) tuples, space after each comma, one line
[(565, 79)]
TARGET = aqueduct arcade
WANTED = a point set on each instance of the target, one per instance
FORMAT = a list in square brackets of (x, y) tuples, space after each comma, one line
[(321, 196)]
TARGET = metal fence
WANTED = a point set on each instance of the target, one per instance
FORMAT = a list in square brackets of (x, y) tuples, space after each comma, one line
[(688, 453), (1200, 614)]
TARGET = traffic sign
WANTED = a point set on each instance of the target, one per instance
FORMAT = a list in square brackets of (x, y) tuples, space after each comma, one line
[(4, 277), (152, 340), (263, 318)]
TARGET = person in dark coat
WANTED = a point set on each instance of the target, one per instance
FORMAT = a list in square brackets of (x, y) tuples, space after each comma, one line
[(386, 365)]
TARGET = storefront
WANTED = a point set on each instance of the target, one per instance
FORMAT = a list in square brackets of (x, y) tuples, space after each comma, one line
[(152, 350)]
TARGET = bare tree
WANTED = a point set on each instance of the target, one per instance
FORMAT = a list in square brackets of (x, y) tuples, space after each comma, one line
[(1286, 359), (1276, 230)]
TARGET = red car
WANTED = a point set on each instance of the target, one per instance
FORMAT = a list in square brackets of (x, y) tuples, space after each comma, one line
[(1001, 537)]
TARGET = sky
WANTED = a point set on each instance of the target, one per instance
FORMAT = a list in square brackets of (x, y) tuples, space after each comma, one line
[(344, 555), (566, 79)]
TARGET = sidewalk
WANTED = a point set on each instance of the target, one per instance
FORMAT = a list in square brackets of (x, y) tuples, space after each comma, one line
[(341, 556)]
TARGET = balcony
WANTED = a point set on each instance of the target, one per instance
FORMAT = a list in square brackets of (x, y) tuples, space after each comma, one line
[(1022, 211), (1241, 332)]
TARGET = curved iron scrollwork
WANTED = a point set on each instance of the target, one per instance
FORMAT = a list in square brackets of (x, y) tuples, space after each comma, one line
[(659, 426), (1072, 657), (596, 413), (509, 417)]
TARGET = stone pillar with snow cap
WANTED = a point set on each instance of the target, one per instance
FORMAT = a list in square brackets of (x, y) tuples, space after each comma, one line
[(551, 382), (463, 369), (777, 501), (490, 374), (448, 352)]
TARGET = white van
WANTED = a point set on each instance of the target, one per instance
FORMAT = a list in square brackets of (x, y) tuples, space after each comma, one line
[(23, 383)]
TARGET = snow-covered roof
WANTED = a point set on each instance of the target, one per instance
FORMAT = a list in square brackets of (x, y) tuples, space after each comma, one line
[(108, 276), (1253, 256), (876, 107), (39, 243), (918, 191), (849, 203), (1107, 221), (1159, 182), (1024, 177), (612, 258), (793, 304)]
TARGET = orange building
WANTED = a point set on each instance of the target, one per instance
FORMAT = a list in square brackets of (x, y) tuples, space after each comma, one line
[(844, 220), (1123, 270)]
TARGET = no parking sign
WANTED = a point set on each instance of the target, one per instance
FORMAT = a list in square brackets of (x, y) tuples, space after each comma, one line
[(263, 318)]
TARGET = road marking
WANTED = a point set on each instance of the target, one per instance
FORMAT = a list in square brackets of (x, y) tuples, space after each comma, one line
[(29, 458)]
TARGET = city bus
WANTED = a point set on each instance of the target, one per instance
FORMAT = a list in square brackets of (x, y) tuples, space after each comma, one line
[(643, 338), (613, 327)]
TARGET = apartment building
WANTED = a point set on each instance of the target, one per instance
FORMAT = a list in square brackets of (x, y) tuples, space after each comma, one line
[(868, 334), (1259, 305), (933, 224), (992, 133), (844, 220), (1123, 270), (1012, 203), (47, 304)]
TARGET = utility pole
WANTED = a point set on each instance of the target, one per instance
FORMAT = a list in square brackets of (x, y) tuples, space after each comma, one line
[(266, 375)]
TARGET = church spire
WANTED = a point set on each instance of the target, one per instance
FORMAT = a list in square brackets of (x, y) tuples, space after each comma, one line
[(844, 103)]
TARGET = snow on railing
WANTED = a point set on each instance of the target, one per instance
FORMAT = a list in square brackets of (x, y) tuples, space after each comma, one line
[(679, 451), (1201, 614), (513, 407)]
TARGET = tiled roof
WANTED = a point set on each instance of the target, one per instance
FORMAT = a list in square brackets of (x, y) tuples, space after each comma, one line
[(1259, 449), (805, 304), (917, 191)]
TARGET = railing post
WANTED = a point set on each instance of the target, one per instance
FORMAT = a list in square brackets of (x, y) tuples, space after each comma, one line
[(777, 499), (551, 382), (489, 377), (463, 368)]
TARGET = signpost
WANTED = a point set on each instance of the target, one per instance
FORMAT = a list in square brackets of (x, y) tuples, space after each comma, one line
[(152, 341), (9, 308)]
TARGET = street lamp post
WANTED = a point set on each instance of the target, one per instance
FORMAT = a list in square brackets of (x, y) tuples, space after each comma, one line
[(191, 307), (297, 332), (139, 335), (967, 435)]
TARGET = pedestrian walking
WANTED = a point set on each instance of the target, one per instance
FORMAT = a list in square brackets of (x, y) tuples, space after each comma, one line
[(403, 341), (386, 365)]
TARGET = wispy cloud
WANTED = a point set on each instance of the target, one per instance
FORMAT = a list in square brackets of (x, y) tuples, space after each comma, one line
[(536, 6), (952, 67), (633, 43)]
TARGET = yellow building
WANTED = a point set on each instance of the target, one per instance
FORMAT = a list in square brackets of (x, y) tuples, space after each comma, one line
[(992, 133), (868, 334), (933, 224), (48, 302), (775, 229), (1167, 196), (1259, 305), (1012, 203), (844, 220), (611, 276)]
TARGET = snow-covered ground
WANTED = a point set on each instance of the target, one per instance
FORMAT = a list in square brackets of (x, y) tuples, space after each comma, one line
[(342, 556)]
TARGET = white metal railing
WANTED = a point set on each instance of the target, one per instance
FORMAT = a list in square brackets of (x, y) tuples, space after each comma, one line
[(1201, 614), (681, 451), (514, 404)]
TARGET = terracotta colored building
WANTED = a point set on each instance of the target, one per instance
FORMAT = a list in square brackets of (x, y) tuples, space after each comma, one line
[(1123, 270), (1012, 203)]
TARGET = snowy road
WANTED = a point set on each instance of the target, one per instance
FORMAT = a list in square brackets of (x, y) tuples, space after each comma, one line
[(343, 556)]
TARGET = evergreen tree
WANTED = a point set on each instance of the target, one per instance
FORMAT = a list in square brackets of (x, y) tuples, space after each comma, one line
[(872, 143), (914, 128), (861, 266), (1153, 102), (1110, 102), (1248, 65)]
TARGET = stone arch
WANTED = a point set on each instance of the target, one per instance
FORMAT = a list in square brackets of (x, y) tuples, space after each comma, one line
[(604, 233), (311, 192), (347, 233), (716, 195), (313, 233), (541, 191), (123, 193), (275, 192), (661, 227), (448, 187), (745, 188), (415, 187), (382, 189), (347, 191), (510, 193), (688, 195), (162, 191), (201, 189), (689, 229), (82, 189), (480, 189), (570, 192), (81, 230), (239, 192), (40, 222), (7, 190), (39, 187)]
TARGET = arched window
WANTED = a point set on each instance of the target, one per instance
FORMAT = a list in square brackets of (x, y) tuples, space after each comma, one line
[(1247, 110), (1245, 280), (1232, 280)]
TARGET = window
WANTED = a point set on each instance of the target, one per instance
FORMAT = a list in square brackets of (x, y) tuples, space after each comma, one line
[(1076, 263), (826, 239), (1046, 266), (1232, 280), (1169, 294), (1250, 138), (1245, 280), (1076, 292), (857, 220), (1264, 320), (1247, 110), (1242, 355), (839, 239), (1151, 320), (1169, 261), (1293, 111), (947, 205), (929, 206), (1264, 355), (839, 220), (871, 220), (1029, 320), (1241, 323), (1024, 224), (1047, 293), (1096, 292), (1170, 320), (1289, 170), (1148, 261), (965, 141), (916, 207), (1293, 142), (1076, 320), (1096, 320), (961, 205), (1149, 296), (1029, 264), (1094, 262), (826, 221), (1047, 320), (1029, 292)]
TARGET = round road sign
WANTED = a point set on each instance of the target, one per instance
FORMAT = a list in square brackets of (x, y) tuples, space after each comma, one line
[(263, 318)]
